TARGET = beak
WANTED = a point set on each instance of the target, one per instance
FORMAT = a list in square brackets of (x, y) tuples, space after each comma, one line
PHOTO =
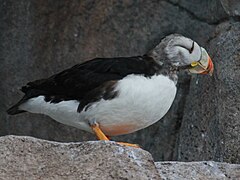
[(203, 66), (210, 67)]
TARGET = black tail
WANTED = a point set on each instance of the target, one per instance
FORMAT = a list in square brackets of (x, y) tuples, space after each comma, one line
[(29, 93), (15, 109)]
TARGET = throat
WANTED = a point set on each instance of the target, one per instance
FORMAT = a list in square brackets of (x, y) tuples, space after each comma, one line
[(163, 67), (170, 71)]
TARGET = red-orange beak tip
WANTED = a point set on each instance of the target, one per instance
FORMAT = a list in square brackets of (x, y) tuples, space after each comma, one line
[(210, 67)]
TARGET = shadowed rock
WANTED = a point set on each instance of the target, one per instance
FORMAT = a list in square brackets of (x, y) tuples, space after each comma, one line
[(210, 126)]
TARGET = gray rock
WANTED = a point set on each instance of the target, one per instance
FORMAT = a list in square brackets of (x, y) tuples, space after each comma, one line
[(211, 12), (232, 7), (30, 158), (198, 170), (210, 127)]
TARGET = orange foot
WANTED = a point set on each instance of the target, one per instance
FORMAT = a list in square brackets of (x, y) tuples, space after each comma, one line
[(101, 136), (128, 144)]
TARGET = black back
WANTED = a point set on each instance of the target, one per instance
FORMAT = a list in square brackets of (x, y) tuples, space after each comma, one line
[(80, 80), (87, 82)]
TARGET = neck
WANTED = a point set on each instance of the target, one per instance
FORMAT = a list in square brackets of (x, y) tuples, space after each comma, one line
[(170, 71), (164, 67), (155, 56)]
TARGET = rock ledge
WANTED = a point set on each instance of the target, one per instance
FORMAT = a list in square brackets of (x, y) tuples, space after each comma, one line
[(26, 157)]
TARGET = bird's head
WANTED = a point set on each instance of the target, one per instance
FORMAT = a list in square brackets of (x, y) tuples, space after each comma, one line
[(184, 53)]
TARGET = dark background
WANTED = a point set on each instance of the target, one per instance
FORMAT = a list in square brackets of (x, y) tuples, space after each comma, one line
[(39, 38)]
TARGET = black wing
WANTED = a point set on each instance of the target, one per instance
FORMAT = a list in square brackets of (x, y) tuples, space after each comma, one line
[(76, 82), (87, 82)]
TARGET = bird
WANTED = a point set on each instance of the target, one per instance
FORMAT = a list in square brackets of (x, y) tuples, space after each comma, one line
[(115, 96)]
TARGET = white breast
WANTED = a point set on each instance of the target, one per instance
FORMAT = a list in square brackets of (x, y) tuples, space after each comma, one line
[(141, 102)]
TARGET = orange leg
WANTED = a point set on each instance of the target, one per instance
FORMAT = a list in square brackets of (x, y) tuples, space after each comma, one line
[(101, 136), (98, 132)]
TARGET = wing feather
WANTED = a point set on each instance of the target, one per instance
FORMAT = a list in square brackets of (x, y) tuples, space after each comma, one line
[(79, 80)]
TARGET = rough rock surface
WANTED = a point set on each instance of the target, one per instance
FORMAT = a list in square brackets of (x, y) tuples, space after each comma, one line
[(30, 158), (232, 7), (39, 38), (198, 170), (210, 130)]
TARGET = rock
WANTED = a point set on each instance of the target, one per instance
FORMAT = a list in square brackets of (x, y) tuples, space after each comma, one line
[(210, 126), (30, 158), (232, 7), (211, 12), (198, 170)]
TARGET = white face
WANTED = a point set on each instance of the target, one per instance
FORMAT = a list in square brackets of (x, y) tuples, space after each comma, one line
[(203, 65), (182, 51)]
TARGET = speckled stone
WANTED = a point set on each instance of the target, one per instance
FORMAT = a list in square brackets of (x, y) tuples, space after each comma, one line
[(210, 127), (232, 7), (198, 170), (31, 158)]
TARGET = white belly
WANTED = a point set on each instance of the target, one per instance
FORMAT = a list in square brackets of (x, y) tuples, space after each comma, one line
[(141, 102)]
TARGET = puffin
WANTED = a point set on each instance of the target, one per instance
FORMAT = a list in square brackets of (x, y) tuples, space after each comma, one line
[(116, 96)]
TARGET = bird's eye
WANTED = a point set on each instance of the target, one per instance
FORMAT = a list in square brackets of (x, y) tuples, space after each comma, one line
[(191, 50)]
